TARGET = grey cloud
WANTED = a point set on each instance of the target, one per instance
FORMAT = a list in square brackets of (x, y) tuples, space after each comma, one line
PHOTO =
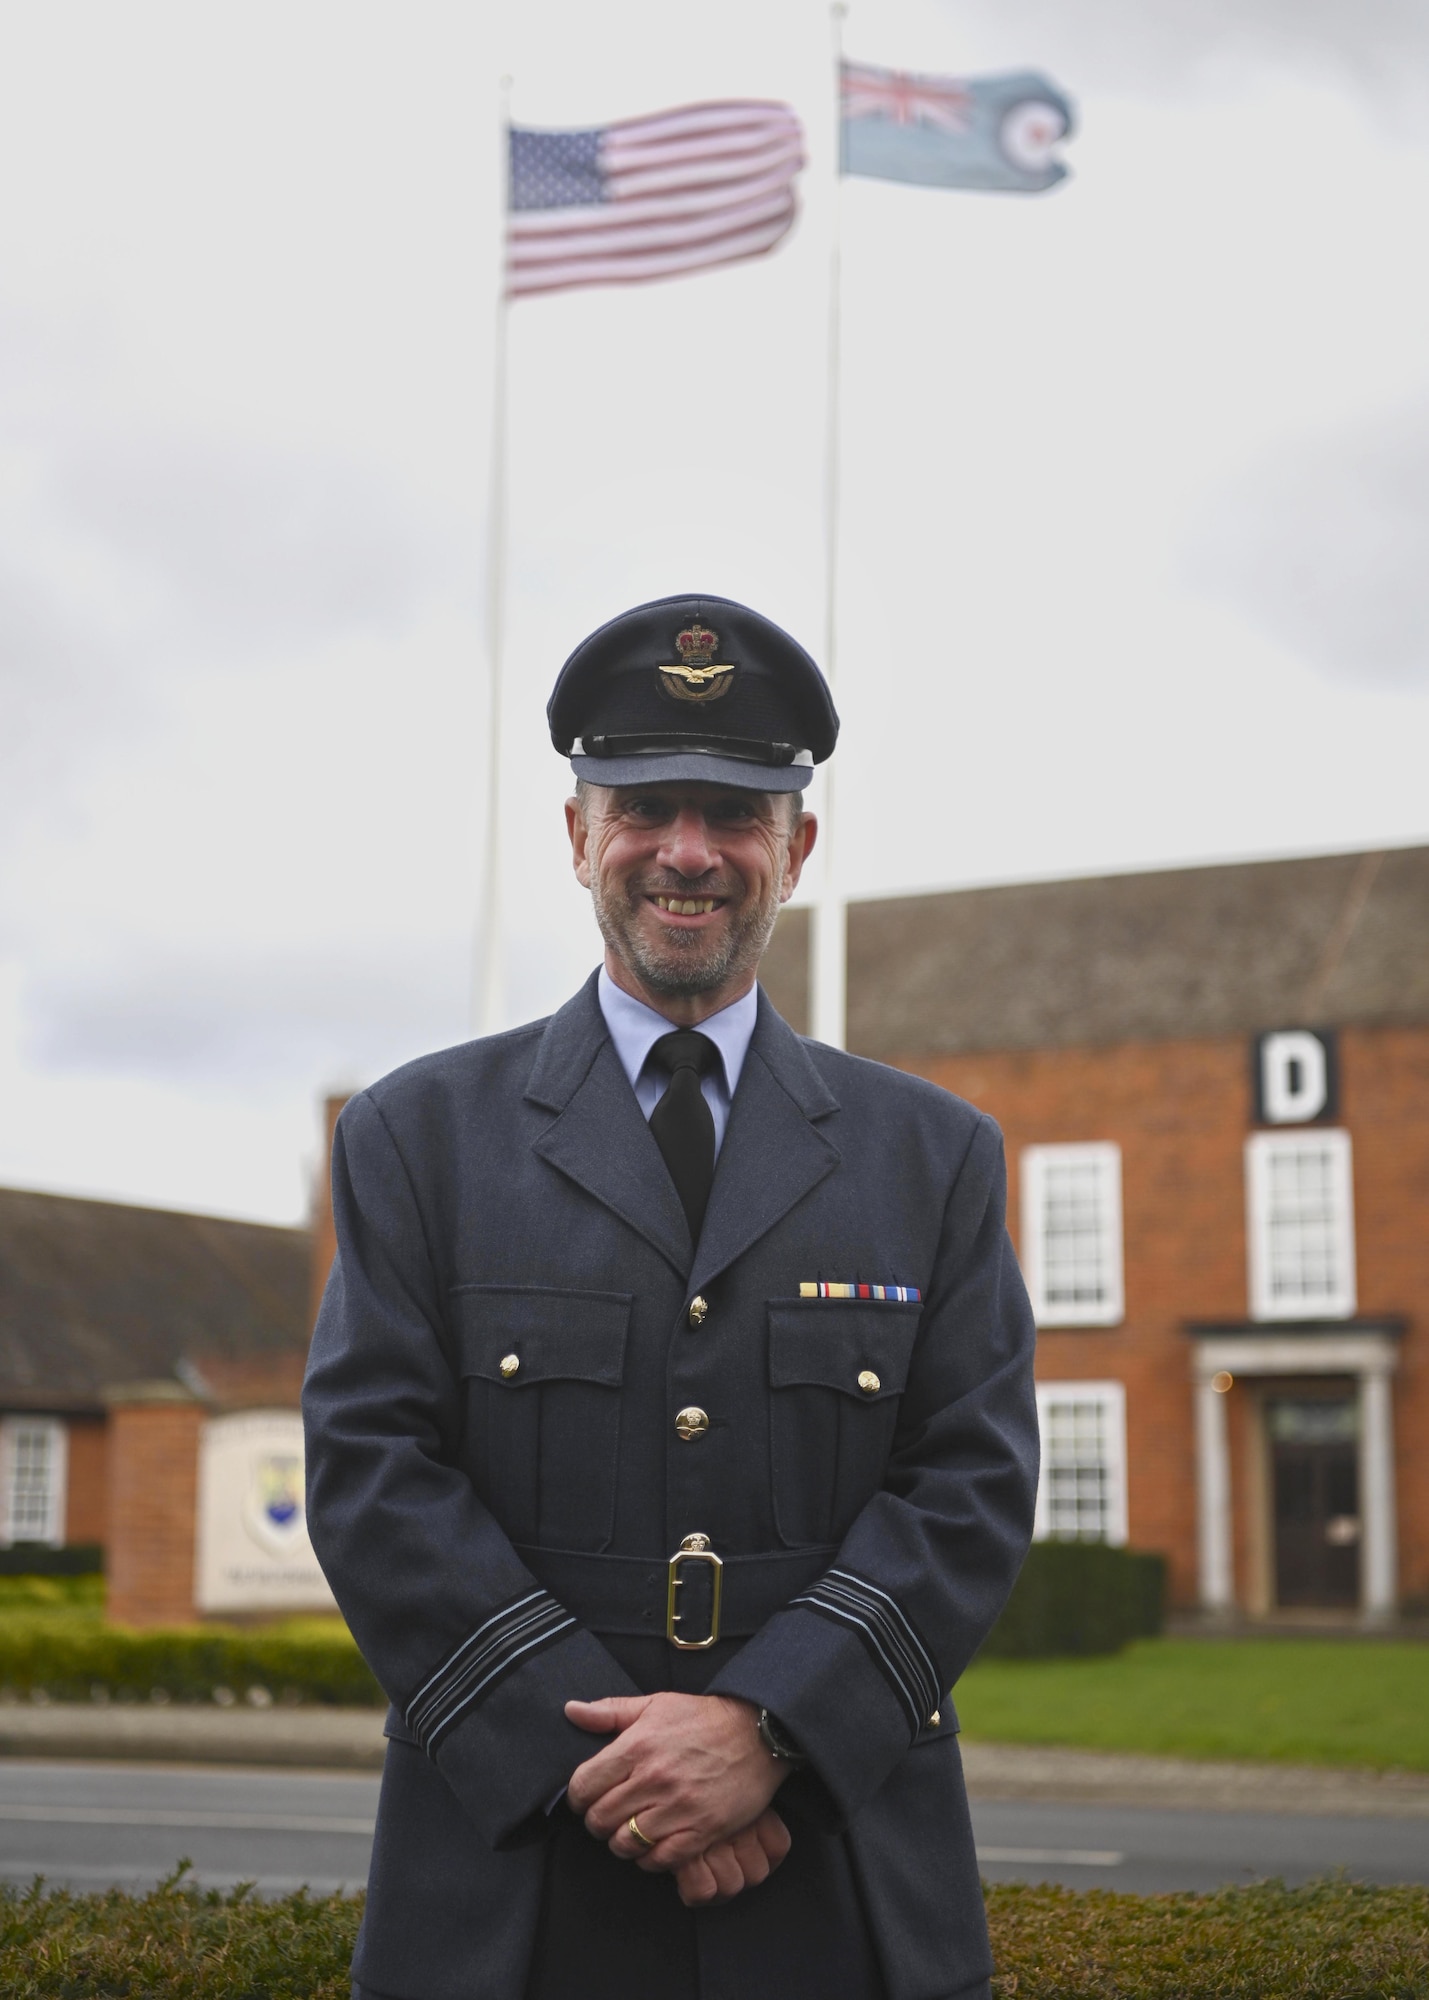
[(351, 1011), (1167, 46), (63, 694), (252, 547), (1324, 547)]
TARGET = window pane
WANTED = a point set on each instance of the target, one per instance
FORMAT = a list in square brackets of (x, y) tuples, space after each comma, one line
[(1302, 1242), (1080, 1497), (32, 1482), (1074, 1247), (1071, 1233)]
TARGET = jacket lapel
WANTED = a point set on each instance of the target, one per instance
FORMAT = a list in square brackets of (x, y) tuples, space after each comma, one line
[(599, 1139), (773, 1151)]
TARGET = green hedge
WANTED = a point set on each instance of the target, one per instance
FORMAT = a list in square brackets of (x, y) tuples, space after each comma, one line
[(72, 1657), (1328, 1941), (1080, 1597), (35, 1559)]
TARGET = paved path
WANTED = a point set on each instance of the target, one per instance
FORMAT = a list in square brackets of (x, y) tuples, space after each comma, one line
[(89, 1825)]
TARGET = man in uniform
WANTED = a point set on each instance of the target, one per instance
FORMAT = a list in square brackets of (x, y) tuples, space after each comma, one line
[(671, 1435)]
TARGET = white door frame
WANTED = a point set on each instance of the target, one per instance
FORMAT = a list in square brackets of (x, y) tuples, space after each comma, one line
[(1372, 1359)]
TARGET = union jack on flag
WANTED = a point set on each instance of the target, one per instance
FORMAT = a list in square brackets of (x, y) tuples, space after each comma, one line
[(906, 99), (650, 197)]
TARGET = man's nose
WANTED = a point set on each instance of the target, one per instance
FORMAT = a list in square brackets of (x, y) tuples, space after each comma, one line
[(687, 848)]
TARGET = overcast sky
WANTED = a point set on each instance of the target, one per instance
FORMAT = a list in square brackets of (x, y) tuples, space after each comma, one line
[(1136, 482)]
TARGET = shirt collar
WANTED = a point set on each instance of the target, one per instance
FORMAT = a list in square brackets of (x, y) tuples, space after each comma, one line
[(635, 1029)]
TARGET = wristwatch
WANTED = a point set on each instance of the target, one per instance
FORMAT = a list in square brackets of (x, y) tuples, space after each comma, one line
[(778, 1742)]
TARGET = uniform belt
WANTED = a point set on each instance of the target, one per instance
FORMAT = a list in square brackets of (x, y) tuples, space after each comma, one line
[(629, 1595)]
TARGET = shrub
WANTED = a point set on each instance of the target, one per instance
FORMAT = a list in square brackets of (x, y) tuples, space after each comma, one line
[(1328, 1941), (71, 1657), (1080, 1597), (36, 1559), (52, 1593), (178, 1943)]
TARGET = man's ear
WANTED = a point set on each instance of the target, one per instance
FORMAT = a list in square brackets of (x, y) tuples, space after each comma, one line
[(802, 840), (580, 841)]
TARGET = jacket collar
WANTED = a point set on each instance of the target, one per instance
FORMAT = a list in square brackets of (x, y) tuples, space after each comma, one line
[(773, 1152)]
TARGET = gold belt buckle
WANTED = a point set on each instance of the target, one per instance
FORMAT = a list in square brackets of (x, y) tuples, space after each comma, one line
[(694, 1548)]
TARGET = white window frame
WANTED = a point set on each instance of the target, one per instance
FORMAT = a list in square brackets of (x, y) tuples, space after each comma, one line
[(1109, 1399), (13, 1527), (1038, 1163), (1262, 1151)]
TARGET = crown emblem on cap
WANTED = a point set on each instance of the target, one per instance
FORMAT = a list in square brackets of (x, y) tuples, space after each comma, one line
[(695, 676)]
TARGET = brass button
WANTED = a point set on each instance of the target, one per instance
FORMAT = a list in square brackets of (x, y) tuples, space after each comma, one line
[(869, 1382), (509, 1364), (692, 1423), (699, 1311), (934, 1719), (694, 1545)]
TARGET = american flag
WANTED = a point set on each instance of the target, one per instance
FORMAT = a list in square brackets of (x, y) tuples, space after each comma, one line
[(650, 197)]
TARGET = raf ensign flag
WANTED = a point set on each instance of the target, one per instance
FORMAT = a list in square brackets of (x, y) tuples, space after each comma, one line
[(650, 197), (996, 132)]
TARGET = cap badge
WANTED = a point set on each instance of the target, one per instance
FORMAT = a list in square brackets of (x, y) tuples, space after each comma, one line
[(694, 676)]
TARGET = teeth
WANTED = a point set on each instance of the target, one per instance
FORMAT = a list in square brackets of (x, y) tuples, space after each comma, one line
[(689, 907)]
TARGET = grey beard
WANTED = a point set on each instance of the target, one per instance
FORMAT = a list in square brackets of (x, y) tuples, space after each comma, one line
[(663, 972)]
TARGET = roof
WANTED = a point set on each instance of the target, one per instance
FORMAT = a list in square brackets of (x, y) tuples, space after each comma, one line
[(96, 1293), (1333, 940)]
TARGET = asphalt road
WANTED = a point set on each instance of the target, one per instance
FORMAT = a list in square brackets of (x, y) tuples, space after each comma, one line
[(91, 1825)]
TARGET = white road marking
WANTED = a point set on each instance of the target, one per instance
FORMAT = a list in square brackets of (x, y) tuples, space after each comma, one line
[(1069, 1857), (119, 1816)]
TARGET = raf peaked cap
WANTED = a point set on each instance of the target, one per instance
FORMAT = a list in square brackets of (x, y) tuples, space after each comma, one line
[(693, 688)]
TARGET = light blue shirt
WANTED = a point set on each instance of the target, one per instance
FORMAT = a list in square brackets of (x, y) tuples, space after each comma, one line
[(635, 1029)]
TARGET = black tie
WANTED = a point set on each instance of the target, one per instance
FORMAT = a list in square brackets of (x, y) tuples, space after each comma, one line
[(681, 1121)]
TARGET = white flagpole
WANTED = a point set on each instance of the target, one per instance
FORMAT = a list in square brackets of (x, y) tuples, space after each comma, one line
[(828, 955), (489, 970)]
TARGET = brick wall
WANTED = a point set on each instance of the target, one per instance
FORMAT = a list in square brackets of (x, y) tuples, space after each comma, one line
[(1180, 1112), (153, 1500), (87, 1480)]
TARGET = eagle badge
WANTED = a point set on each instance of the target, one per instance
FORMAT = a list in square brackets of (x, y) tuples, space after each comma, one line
[(695, 676)]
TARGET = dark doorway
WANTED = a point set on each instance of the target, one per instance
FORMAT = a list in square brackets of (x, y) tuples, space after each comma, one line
[(1314, 1451)]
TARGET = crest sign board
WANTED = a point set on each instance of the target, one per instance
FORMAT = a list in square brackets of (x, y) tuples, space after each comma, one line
[(252, 1547)]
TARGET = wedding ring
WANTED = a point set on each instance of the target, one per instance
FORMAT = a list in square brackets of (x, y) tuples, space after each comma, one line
[(632, 1826)]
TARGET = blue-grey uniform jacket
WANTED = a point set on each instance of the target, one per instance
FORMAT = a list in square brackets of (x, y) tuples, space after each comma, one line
[(496, 1481)]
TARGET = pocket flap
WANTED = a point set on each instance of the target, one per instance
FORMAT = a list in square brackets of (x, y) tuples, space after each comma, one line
[(832, 1343), (552, 1335)]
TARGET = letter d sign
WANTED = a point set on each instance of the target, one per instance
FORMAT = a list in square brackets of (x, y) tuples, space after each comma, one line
[(1294, 1076)]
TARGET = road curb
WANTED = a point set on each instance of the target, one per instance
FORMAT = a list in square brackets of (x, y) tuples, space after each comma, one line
[(1107, 1777), (315, 1738)]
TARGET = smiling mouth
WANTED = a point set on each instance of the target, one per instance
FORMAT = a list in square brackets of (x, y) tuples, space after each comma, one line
[(687, 906)]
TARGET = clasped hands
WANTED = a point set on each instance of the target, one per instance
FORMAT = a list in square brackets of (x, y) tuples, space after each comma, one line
[(694, 1771)]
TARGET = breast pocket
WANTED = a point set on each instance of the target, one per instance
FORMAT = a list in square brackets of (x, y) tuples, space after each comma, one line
[(837, 1368), (543, 1370)]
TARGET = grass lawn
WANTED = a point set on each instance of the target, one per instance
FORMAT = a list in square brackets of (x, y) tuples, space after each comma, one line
[(1304, 1701)]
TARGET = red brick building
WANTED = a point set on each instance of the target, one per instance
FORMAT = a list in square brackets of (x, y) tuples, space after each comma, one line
[(123, 1332), (1214, 1086)]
